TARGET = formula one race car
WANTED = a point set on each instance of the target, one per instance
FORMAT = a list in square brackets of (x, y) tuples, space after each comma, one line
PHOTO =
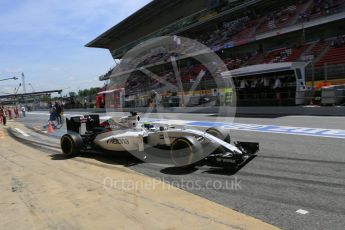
[(155, 143)]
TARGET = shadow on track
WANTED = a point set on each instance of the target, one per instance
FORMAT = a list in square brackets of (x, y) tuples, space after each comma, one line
[(228, 171), (178, 170), (205, 169), (123, 159)]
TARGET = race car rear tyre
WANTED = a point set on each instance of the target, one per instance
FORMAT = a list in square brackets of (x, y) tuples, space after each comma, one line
[(184, 151), (220, 133), (71, 144)]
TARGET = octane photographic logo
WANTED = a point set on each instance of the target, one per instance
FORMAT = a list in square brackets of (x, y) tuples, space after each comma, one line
[(230, 184), (168, 80)]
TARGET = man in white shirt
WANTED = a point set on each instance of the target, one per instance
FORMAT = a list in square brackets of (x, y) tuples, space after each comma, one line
[(277, 85), (243, 92), (265, 82), (23, 111), (243, 84)]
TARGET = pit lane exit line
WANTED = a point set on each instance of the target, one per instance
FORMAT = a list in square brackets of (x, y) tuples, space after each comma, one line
[(303, 131), (22, 132)]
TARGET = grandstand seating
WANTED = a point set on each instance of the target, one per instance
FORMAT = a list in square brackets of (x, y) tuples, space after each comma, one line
[(233, 63), (317, 48), (248, 30), (243, 34), (284, 54), (255, 59), (320, 8), (236, 38), (274, 56), (296, 53), (280, 18), (243, 28), (335, 55)]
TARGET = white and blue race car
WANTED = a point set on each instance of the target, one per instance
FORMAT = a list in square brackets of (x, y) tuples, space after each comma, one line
[(155, 143)]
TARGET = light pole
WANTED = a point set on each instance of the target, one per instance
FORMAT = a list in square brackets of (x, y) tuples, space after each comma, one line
[(24, 89), (24, 86)]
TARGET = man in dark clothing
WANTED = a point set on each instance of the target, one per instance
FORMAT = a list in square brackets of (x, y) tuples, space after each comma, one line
[(58, 112), (3, 115), (53, 113)]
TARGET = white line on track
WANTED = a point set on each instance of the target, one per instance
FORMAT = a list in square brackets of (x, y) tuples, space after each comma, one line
[(22, 132), (321, 117), (302, 211)]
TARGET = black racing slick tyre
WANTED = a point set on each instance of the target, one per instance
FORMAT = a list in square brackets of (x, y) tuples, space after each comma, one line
[(71, 144), (185, 151), (220, 133)]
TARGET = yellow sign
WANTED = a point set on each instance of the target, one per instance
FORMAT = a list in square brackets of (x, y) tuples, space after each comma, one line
[(228, 96)]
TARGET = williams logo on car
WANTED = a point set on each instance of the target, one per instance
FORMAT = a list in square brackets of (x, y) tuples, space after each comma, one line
[(116, 141)]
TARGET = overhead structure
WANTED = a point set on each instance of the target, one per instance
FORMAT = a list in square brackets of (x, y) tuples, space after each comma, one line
[(10, 78), (59, 91)]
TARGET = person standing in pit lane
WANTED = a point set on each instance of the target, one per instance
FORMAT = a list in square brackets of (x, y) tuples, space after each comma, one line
[(9, 111), (16, 111), (3, 115), (23, 111), (53, 114), (58, 110)]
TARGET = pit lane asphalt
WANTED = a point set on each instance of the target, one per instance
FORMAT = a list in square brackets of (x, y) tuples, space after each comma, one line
[(290, 173)]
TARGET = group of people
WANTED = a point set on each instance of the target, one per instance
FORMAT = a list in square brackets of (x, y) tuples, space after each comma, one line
[(320, 8), (338, 42), (56, 112), (265, 87), (10, 112), (225, 31)]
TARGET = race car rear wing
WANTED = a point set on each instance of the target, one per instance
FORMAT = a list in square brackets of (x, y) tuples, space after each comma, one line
[(74, 123)]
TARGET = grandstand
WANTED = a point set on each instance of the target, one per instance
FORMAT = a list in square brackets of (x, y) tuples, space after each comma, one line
[(241, 32)]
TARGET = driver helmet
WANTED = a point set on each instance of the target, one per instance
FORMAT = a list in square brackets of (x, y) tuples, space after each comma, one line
[(148, 125)]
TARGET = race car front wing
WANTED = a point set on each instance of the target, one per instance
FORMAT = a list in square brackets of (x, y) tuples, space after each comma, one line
[(223, 158)]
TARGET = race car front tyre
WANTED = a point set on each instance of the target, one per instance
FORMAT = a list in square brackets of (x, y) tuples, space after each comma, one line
[(71, 144), (184, 151), (220, 133)]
